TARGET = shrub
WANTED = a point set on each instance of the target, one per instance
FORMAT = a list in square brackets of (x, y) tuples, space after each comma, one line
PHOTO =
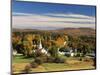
[(86, 59), (80, 59), (44, 59), (33, 64), (78, 55), (38, 54), (27, 69), (59, 60), (38, 60), (68, 55), (50, 59)]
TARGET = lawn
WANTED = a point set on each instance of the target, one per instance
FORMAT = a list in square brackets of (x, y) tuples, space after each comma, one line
[(21, 59), (19, 63)]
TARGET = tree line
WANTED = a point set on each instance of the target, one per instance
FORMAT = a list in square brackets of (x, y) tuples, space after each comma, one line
[(26, 42)]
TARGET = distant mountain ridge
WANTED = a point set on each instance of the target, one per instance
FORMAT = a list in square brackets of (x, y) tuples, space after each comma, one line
[(69, 31)]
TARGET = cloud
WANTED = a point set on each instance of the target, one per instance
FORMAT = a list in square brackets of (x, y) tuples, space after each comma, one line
[(20, 14), (51, 21), (70, 15)]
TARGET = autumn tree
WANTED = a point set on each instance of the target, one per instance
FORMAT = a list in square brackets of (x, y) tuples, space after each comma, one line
[(53, 51), (17, 43), (28, 45)]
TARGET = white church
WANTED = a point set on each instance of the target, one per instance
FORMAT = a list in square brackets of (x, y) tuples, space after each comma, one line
[(71, 53), (41, 48)]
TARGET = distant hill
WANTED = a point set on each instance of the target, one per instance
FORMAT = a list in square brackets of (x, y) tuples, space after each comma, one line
[(79, 31), (69, 31)]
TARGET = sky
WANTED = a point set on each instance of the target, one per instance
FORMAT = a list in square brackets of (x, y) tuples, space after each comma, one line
[(50, 16)]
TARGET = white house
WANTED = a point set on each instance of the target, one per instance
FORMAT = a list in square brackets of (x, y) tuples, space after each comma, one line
[(14, 52), (70, 52)]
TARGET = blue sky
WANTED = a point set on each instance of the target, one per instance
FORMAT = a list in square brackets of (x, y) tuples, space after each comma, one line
[(32, 7), (55, 13)]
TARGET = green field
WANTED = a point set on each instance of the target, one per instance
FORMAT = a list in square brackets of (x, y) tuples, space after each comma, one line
[(72, 63), (21, 59)]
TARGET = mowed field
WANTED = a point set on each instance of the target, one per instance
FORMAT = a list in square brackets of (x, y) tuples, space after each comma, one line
[(72, 63)]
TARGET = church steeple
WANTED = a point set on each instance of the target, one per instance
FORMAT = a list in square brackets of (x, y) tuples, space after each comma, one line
[(40, 45)]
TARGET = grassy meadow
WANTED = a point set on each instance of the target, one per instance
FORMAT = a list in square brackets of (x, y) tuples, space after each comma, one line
[(19, 63)]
